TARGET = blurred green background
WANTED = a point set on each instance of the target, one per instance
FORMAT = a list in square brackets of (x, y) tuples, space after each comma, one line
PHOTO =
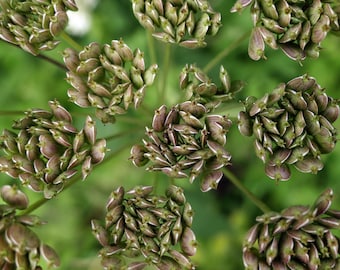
[(222, 217)]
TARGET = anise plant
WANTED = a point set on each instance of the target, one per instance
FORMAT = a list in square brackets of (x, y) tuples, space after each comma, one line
[(292, 125)]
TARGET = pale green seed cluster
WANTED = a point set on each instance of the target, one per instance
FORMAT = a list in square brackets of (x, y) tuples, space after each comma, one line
[(142, 229), (48, 150), (299, 237), (186, 22), (293, 125), (34, 24), (296, 26), (108, 78), (20, 246)]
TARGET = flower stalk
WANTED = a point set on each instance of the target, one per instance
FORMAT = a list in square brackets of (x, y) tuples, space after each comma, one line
[(256, 201)]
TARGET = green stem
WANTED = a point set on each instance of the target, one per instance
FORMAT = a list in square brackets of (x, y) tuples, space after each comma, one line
[(69, 40), (70, 183), (41, 56), (34, 206), (230, 109), (122, 134), (52, 61), (131, 120), (165, 75), (152, 50), (260, 204), (225, 52)]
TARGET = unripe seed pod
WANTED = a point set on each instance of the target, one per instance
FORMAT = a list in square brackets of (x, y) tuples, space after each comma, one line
[(14, 197)]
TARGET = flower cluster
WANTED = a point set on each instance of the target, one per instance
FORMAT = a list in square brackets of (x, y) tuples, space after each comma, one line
[(48, 149), (146, 229), (291, 125), (186, 22), (297, 27), (34, 24), (185, 142), (299, 237), (109, 78), (20, 246)]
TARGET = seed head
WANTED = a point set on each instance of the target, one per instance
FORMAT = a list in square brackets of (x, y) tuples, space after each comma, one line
[(296, 27), (34, 25), (20, 246), (291, 127), (151, 226), (100, 78), (48, 149), (299, 237), (185, 143), (186, 23)]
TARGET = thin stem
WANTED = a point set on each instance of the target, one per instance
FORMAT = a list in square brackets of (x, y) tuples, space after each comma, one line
[(165, 75), (152, 50), (260, 204), (41, 56), (122, 134), (68, 39), (70, 183), (34, 206), (155, 182), (225, 52), (230, 109), (52, 61), (131, 120)]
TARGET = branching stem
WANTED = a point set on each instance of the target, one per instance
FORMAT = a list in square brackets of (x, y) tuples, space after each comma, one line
[(122, 134), (165, 75), (52, 61), (42, 56), (69, 40), (151, 47), (225, 52), (260, 204)]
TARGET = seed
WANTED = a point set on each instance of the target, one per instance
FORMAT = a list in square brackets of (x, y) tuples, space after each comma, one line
[(256, 45), (211, 180), (268, 37), (251, 237), (113, 215), (285, 13), (302, 83), (292, 33), (320, 29), (272, 251), (333, 244), (50, 255), (176, 194), (240, 4), (140, 191), (98, 151), (293, 51), (14, 197), (181, 259), (244, 124), (278, 173), (188, 242), (250, 260), (116, 198)]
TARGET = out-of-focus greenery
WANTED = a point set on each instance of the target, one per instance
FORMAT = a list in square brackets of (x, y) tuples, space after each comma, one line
[(222, 217)]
